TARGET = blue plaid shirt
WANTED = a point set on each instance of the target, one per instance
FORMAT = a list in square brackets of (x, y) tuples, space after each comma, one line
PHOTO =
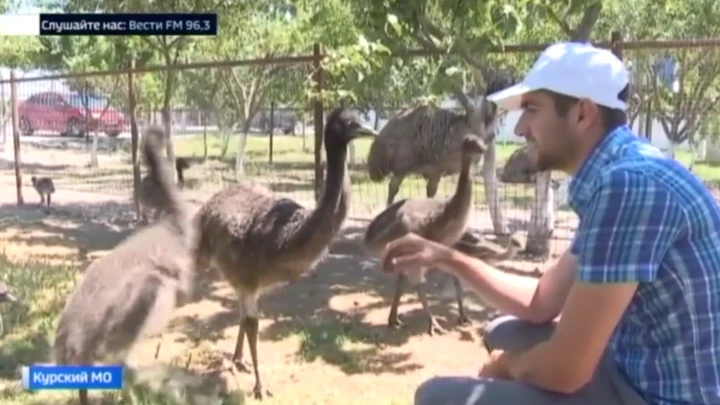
[(646, 219)]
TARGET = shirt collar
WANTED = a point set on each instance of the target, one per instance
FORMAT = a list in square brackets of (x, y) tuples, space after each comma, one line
[(580, 188)]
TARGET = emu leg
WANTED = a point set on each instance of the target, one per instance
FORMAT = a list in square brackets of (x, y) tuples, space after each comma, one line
[(237, 357), (49, 199), (83, 396), (393, 320), (431, 188), (42, 199), (394, 187), (433, 326), (462, 317), (251, 327), (142, 214)]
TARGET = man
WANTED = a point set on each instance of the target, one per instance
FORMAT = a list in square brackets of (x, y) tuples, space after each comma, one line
[(639, 288)]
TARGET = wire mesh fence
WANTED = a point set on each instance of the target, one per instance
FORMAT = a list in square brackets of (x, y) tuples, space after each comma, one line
[(239, 120)]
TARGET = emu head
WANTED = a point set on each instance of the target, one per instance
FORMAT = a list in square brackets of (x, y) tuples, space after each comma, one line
[(480, 115), (483, 115)]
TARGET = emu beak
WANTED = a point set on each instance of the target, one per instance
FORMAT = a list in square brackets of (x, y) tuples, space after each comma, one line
[(365, 132)]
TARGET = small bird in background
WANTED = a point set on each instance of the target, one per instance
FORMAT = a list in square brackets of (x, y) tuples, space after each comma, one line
[(45, 188)]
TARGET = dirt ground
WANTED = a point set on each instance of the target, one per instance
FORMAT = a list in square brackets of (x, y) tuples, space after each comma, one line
[(328, 327)]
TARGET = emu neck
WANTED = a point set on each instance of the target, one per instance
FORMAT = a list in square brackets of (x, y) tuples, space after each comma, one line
[(324, 221), (459, 204), (344, 203)]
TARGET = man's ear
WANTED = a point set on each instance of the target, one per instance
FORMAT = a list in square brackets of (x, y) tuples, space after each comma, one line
[(584, 114)]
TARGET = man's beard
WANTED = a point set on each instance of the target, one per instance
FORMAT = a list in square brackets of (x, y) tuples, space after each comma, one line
[(540, 161)]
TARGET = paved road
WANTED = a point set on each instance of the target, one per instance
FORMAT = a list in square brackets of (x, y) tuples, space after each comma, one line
[(49, 138)]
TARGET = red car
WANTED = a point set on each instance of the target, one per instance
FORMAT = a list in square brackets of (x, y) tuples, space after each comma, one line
[(73, 114)]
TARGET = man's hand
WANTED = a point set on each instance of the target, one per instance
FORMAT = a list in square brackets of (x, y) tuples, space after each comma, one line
[(495, 366), (412, 252)]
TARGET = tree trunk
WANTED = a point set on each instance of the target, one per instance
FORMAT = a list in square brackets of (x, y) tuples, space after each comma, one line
[(693, 153), (134, 136), (166, 114), (205, 139), (3, 113), (670, 152), (712, 152), (167, 125), (94, 151), (304, 137), (491, 190), (542, 219), (240, 155)]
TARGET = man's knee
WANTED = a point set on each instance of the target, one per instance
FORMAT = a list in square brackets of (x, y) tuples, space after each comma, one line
[(434, 391), (476, 391), (510, 333)]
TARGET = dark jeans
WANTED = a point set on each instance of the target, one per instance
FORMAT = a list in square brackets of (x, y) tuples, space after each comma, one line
[(607, 387)]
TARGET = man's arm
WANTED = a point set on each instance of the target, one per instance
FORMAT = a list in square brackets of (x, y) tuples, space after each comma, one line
[(623, 237), (522, 296)]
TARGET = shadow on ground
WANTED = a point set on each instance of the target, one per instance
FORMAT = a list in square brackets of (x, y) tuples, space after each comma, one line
[(329, 310), (83, 228)]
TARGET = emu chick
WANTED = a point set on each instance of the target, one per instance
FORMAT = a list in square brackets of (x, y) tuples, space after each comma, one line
[(45, 188), (131, 292)]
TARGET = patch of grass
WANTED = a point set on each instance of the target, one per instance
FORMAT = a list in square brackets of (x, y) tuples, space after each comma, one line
[(42, 289), (332, 344), (351, 347), (286, 148)]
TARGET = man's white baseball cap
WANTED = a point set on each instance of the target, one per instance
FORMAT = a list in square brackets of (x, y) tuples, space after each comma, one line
[(573, 69)]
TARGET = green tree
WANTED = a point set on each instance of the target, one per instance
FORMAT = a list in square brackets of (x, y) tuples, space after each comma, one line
[(468, 30), (266, 34), (685, 97), (169, 50)]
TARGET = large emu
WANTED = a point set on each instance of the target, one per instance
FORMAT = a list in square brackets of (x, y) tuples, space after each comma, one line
[(518, 169), (258, 240), (426, 140), (132, 291)]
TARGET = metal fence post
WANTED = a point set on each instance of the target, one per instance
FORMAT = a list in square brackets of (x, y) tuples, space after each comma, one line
[(318, 118), (616, 44), (16, 137), (132, 105)]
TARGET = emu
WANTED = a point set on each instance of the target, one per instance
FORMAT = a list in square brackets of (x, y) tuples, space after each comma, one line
[(258, 240), (440, 221), (426, 140), (45, 188), (486, 251), (181, 164), (132, 291), (150, 195)]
